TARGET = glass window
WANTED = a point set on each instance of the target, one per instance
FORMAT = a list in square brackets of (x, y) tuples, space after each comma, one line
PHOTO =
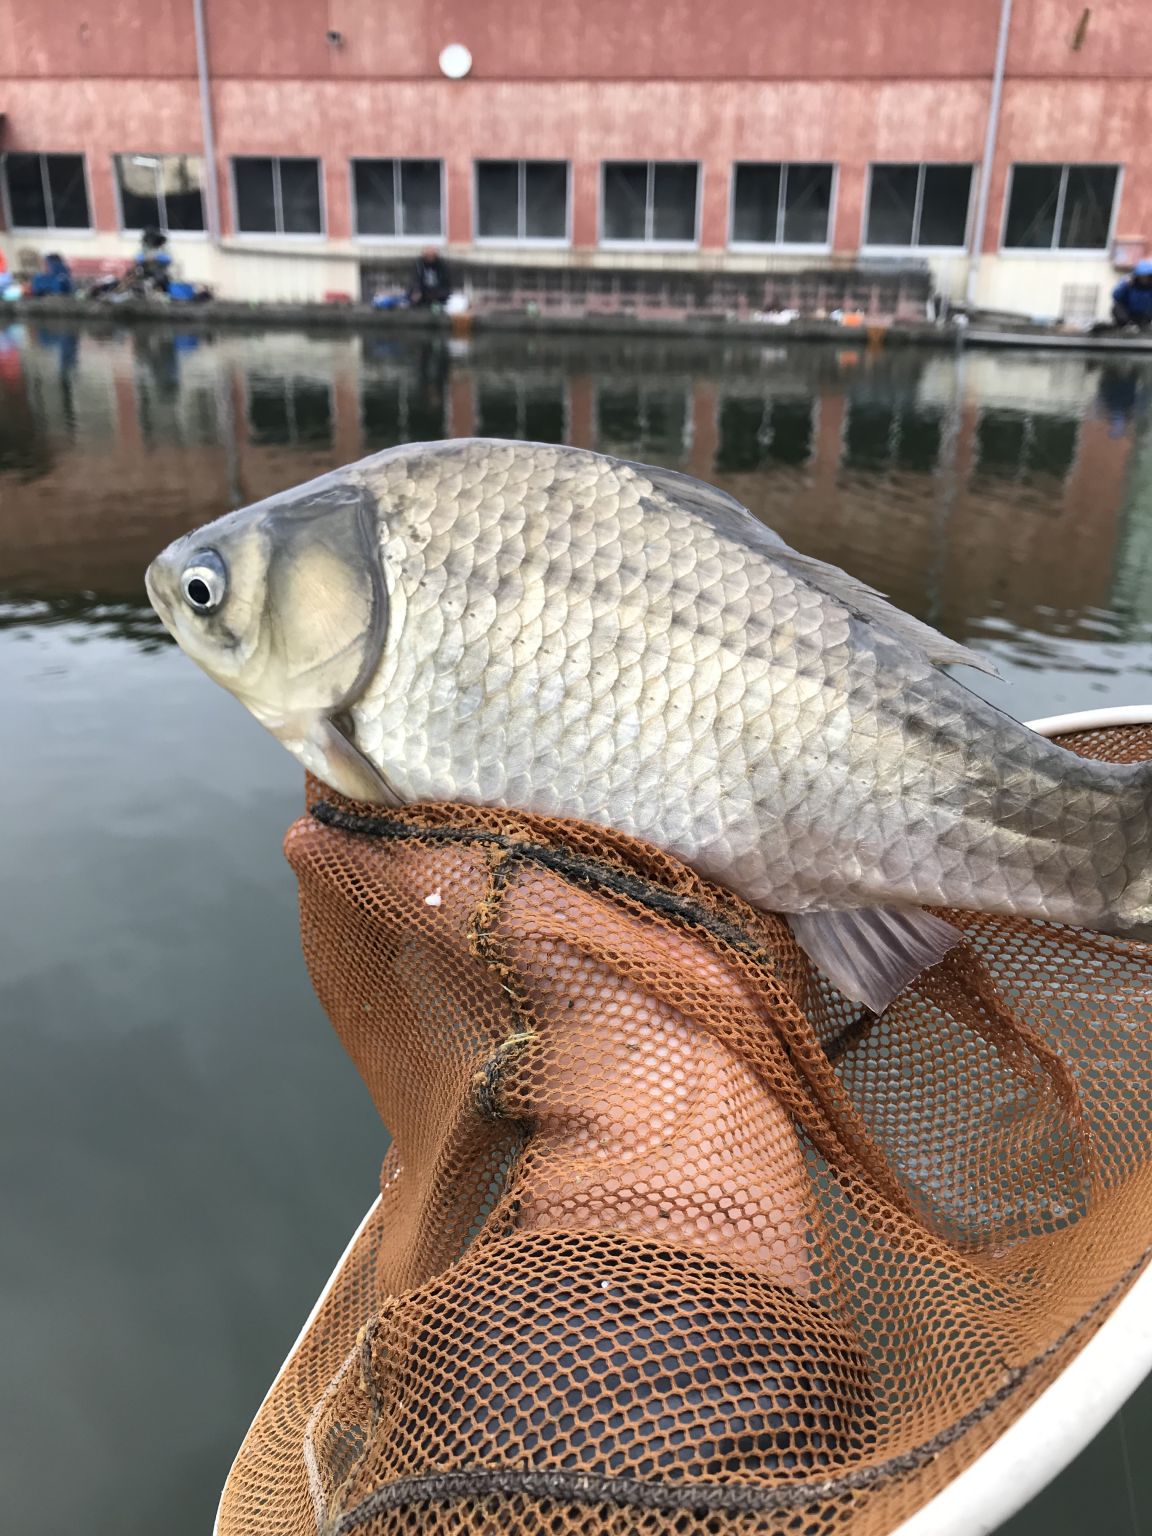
[(47, 191), (374, 193), (300, 197), (625, 200), (420, 200), (1032, 205), (944, 205), (807, 204), (255, 196), (892, 205), (27, 192), (756, 204), (674, 202), (911, 205), (1060, 207), (160, 190), (277, 196), (498, 199), (546, 199), (774, 203), (1086, 218), (650, 201), (397, 198), (522, 199)]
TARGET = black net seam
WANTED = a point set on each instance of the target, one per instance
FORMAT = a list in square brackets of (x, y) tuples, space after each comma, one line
[(728, 1498), (575, 867)]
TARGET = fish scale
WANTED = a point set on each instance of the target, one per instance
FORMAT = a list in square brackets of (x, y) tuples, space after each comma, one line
[(572, 634), (794, 679)]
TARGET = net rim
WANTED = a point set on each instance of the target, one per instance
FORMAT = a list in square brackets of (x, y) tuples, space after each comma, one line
[(1052, 1431), (1094, 1385)]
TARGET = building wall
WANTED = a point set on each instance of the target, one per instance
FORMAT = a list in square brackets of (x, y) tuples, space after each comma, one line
[(598, 81)]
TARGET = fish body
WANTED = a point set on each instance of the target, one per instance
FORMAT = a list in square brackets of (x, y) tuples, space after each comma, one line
[(554, 630)]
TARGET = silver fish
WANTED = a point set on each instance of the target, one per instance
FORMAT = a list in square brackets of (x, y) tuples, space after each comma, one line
[(558, 631)]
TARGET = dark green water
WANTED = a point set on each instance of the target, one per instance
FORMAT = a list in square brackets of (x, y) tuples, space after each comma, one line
[(184, 1151)]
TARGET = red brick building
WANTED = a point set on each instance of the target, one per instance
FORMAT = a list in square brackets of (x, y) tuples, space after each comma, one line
[(303, 140)]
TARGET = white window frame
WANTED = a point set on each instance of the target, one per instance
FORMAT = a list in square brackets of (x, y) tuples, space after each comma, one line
[(405, 240), (173, 234), (649, 206), (537, 242), (924, 250), (1059, 252), (256, 235), (65, 232), (786, 247)]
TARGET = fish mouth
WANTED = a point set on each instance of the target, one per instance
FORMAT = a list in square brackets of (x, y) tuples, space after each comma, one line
[(154, 585)]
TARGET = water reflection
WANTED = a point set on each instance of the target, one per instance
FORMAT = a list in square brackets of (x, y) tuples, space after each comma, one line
[(1007, 499), (87, 617), (755, 433), (1022, 445), (285, 410), (975, 489), (639, 421)]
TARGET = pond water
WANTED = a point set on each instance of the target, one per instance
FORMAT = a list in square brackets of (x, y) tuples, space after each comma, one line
[(184, 1150)]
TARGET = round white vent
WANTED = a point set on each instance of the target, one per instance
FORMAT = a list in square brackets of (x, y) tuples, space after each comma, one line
[(455, 61)]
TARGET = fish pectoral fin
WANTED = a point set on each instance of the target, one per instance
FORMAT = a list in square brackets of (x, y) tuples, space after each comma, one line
[(871, 954), (348, 771)]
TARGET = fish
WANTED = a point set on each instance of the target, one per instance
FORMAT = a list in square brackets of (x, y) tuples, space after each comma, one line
[(554, 630)]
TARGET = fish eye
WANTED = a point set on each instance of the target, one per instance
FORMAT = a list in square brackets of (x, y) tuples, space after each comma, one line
[(205, 582)]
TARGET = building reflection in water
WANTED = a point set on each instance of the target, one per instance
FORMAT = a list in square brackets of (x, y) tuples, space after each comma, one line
[(969, 487)]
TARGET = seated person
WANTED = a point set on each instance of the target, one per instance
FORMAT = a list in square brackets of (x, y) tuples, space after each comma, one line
[(55, 277), (1132, 298), (430, 282)]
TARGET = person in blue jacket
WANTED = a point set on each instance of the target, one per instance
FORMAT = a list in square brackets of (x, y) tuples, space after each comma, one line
[(54, 279), (1132, 299)]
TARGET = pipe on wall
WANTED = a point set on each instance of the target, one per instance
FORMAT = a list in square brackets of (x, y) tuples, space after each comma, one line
[(989, 150), (212, 206)]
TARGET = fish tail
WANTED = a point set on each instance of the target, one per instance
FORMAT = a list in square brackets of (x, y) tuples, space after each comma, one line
[(1123, 856)]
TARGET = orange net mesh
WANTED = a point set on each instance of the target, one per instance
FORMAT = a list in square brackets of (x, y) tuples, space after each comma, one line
[(670, 1237)]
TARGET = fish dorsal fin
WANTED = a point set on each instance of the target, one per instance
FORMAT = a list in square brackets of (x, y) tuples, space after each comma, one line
[(873, 606), (730, 516)]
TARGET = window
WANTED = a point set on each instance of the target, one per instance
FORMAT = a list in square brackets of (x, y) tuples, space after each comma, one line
[(884, 433), (285, 409), (522, 199), (160, 190), (529, 409), (46, 191), (633, 420), (912, 205), (1060, 207), (755, 433), (650, 201), (1020, 445), (398, 199), (401, 408), (781, 204), (277, 196)]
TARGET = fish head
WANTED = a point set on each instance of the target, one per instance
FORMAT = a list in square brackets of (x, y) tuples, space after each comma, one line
[(283, 603)]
